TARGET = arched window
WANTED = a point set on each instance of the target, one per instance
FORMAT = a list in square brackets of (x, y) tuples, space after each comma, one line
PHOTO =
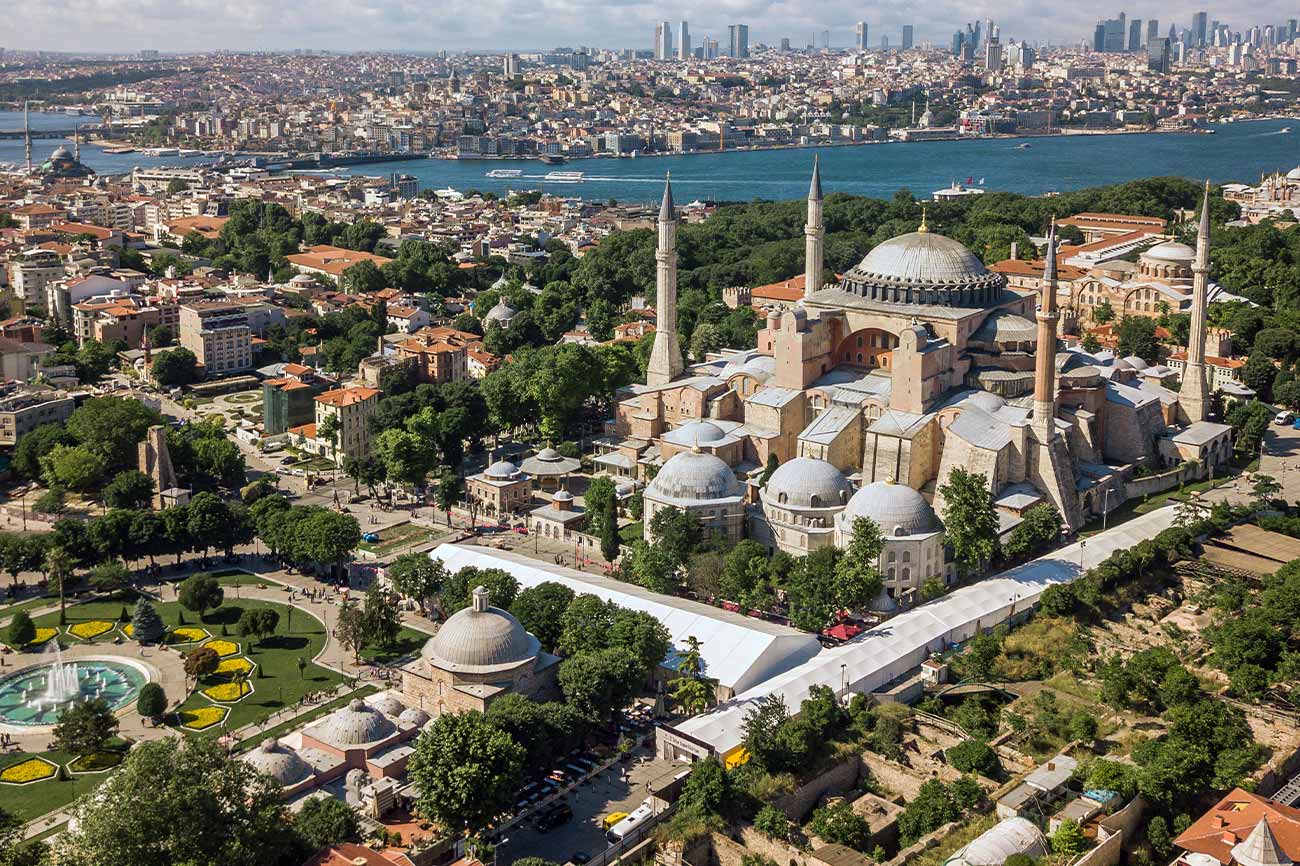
[(907, 556)]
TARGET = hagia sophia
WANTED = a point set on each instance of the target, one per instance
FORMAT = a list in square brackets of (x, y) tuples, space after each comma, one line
[(870, 391)]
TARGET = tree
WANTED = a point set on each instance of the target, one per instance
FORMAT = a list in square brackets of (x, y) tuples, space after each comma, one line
[(85, 727), (257, 622), (760, 727), (326, 821), (1159, 836), (21, 630), (201, 662), (1068, 840), (74, 467), (467, 771), (58, 569), (1040, 527), (449, 492), (130, 488), (416, 576), (151, 703), (840, 825), (600, 683), (540, 610), (201, 593), (974, 756), (208, 517), (110, 577), (113, 427), (1103, 313), (1258, 373), (363, 278), (677, 532), (692, 690), (380, 617), (146, 625), (147, 812), (35, 445), (350, 629), (857, 577), (970, 520), (1137, 336), (175, 368), (931, 808), (772, 822), (500, 584), (585, 625)]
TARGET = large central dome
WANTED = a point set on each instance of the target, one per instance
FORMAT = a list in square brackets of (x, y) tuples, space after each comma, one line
[(924, 268), (480, 639)]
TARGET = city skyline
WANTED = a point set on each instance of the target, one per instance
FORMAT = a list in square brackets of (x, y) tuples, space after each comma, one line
[(398, 25)]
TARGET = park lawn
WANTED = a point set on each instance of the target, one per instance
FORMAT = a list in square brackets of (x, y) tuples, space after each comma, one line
[(395, 537), (276, 682), (408, 641), (631, 533), (8, 610), (31, 801)]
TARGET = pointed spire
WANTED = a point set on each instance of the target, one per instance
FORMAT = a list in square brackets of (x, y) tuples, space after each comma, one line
[(1260, 848), (815, 190), (1049, 270), (1204, 231), (923, 228), (666, 210)]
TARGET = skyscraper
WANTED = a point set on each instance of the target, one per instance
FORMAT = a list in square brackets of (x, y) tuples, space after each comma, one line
[(860, 36), (884, 42), (1153, 29), (683, 41), (958, 39), (663, 41), (738, 40), (1135, 35), (907, 36), (1200, 21), (826, 39), (1158, 55)]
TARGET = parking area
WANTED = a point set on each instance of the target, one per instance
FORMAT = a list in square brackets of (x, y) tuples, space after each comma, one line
[(621, 788)]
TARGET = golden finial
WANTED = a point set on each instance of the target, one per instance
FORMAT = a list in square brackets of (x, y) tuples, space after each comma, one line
[(924, 228), (889, 479)]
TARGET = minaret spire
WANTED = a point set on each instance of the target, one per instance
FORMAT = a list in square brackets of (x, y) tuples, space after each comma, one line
[(27, 135), (1194, 393), (814, 234), (666, 354), (1044, 422), (76, 143)]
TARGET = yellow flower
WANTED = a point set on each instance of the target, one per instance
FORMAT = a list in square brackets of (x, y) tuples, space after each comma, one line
[(42, 635), (30, 770), (223, 648), (90, 629), (202, 717), (228, 692), (235, 665), (95, 762), (128, 629), (186, 634)]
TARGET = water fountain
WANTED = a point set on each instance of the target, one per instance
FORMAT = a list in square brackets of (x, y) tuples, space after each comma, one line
[(38, 694), (61, 683)]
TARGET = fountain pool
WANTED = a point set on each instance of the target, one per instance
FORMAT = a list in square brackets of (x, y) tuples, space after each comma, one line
[(36, 695)]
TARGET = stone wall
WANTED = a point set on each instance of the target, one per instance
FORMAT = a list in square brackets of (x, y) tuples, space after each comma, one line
[(925, 843), (842, 777), (892, 775), (1148, 485), (726, 851), (1105, 854)]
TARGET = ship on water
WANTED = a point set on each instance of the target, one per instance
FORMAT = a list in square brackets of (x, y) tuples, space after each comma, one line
[(505, 172), (552, 159), (564, 177)]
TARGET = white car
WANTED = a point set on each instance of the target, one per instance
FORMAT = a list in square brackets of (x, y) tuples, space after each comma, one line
[(1283, 418)]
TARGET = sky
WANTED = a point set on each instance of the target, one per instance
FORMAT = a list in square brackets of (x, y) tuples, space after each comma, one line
[(431, 25)]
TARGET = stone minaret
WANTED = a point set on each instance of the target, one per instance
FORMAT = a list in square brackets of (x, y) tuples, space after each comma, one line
[(27, 136), (666, 355), (1194, 394), (1045, 361), (814, 235), (76, 143)]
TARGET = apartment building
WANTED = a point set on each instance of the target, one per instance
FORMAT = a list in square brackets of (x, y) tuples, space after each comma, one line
[(22, 410), (217, 333), (352, 407)]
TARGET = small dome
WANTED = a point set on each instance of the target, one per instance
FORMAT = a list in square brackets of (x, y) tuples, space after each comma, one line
[(892, 507), (502, 469), (280, 763), (354, 725), (388, 705), (562, 496), (806, 482), (414, 716), (502, 313), (61, 152), (549, 454), (1171, 251), (986, 400), (302, 280), (480, 639), (691, 476), (1293, 174), (695, 433), (1135, 362)]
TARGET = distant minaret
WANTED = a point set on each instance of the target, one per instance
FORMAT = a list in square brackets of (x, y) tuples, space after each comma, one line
[(27, 136), (1045, 359), (76, 143), (1194, 393), (814, 234), (666, 354)]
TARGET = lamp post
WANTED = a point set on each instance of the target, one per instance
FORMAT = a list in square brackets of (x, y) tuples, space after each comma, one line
[(1083, 542), (844, 681)]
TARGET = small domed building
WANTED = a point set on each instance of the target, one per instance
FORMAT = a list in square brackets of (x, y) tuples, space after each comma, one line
[(799, 506), (502, 488), (701, 485), (479, 654), (500, 316), (913, 551)]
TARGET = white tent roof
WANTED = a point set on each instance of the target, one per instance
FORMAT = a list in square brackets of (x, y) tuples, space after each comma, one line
[(739, 652), (881, 655)]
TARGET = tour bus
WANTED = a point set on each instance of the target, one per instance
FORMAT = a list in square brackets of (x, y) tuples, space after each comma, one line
[(629, 825)]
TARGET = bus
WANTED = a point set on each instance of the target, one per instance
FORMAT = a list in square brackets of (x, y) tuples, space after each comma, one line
[(631, 823)]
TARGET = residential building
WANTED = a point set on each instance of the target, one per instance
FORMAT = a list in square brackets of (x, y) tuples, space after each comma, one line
[(290, 400), (217, 333), (22, 410), (352, 407)]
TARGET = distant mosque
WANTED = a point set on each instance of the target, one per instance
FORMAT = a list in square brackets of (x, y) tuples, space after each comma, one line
[(63, 163)]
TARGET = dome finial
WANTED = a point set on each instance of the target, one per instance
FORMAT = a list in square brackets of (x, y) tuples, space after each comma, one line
[(890, 480), (923, 228)]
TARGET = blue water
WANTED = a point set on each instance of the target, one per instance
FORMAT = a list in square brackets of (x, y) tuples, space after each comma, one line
[(1239, 151)]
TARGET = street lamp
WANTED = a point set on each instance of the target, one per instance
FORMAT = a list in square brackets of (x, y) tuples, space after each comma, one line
[(1083, 542)]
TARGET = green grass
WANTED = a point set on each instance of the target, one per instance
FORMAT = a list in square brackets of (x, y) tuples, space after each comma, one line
[(278, 682), (1135, 507), (954, 840), (244, 397), (394, 538), (631, 533), (304, 718), (8, 610), (408, 641), (31, 801)]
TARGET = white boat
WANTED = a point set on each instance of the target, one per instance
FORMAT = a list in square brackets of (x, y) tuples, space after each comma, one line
[(448, 192), (506, 172), (1285, 129), (564, 176), (160, 151)]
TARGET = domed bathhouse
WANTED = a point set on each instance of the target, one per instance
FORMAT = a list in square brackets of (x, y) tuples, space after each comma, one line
[(502, 488), (479, 654), (918, 361)]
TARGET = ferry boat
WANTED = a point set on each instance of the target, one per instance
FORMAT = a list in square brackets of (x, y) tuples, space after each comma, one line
[(1023, 146), (506, 172), (161, 151), (552, 159), (564, 177), (119, 150)]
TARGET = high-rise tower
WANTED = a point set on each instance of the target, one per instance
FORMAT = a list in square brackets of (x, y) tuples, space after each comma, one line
[(814, 235), (665, 355), (1194, 393)]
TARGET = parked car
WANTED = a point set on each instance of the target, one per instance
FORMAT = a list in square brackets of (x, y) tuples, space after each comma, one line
[(554, 817), (1283, 418)]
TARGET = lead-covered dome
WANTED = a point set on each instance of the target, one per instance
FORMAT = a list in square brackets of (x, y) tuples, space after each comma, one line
[(924, 268), (480, 639), (896, 508), (354, 725), (806, 482), (1171, 251), (282, 764), (1293, 174), (502, 313), (692, 476), (695, 433)]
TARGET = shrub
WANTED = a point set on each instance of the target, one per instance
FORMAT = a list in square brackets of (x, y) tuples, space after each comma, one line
[(973, 756), (772, 822)]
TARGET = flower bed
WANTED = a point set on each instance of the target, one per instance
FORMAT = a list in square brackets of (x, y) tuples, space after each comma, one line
[(186, 634), (90, 629), (95, 762), (223, 648), (228, 693), (238, 665), (42, 635), (128, 630), (202, 718), (30, 770)]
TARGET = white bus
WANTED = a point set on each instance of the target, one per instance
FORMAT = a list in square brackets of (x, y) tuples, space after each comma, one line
[(631, 823)]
